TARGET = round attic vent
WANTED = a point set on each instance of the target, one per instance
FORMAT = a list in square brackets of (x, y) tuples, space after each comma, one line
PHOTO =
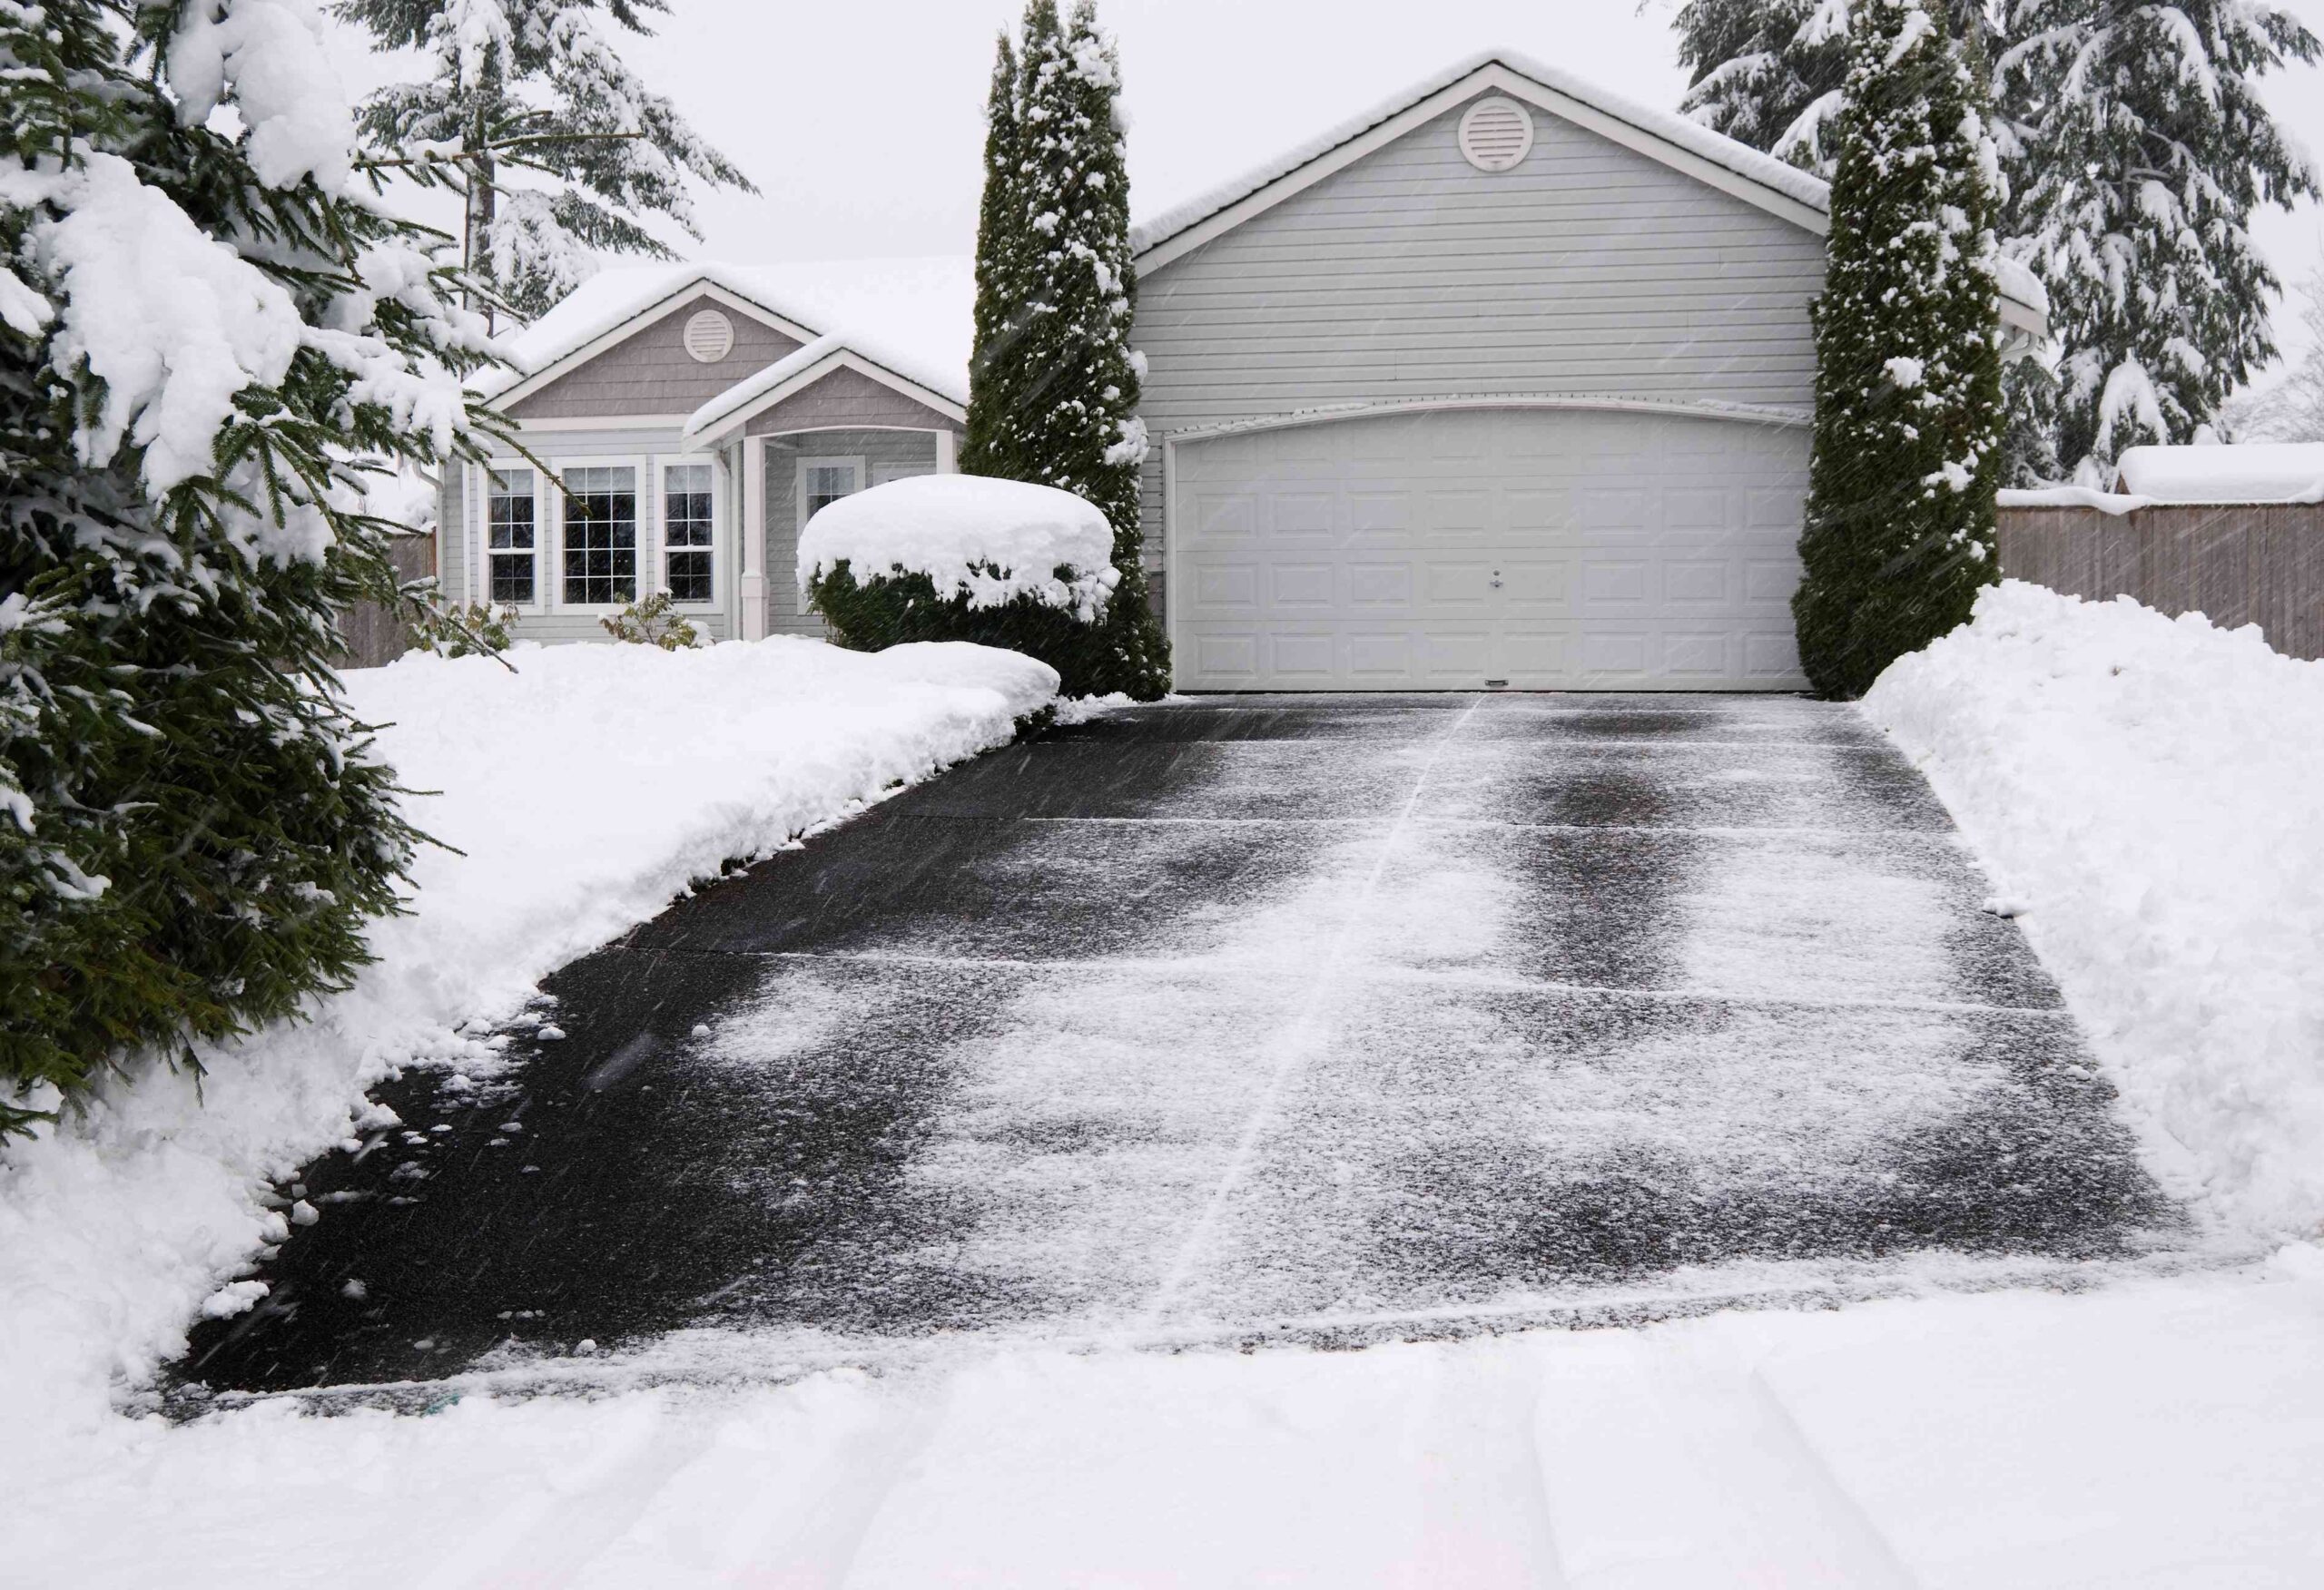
[(1496, 133), (710, 336)]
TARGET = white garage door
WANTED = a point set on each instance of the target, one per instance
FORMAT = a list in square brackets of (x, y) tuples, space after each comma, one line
[(1453, 549)]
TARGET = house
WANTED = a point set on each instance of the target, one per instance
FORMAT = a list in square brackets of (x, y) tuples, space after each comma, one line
[(646, 390), (1505, 382)]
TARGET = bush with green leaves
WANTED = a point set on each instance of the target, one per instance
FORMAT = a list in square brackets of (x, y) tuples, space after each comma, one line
[(212, 342), (891, 609), (470, 630), (652, 620)]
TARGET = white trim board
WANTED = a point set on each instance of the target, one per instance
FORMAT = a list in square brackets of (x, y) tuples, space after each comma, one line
[(1676, 408), (615, 335), (1492, 76)]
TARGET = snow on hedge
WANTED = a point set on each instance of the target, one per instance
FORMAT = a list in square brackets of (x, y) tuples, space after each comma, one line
[(991, 541), (587, 789), (2144, 790)]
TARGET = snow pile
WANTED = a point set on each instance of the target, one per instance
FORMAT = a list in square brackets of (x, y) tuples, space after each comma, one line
[(587, 789), (990, 540), (2144, 791), (2244, 472)]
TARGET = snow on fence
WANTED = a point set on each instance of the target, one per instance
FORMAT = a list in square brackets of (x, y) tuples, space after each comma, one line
[(2235, 562), (374, 635)]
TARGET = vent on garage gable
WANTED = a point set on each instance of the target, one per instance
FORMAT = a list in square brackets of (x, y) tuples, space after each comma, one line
[(710, 336), (1496, 133)]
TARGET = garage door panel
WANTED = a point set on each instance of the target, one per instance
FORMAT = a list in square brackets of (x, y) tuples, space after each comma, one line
[(1550, 548)]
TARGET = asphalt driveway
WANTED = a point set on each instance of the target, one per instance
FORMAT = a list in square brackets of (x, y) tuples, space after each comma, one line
[(1250, 1019)]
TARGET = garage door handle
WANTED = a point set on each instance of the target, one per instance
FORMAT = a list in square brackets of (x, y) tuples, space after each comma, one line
[(1496, 579)]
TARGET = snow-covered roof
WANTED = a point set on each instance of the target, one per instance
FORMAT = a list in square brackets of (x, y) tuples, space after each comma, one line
[(1673, 132), (2242, 472), (913, 316)]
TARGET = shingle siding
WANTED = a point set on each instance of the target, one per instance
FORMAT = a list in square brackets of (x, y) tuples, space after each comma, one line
[(1588, 269), (651, 372), (847, 398)]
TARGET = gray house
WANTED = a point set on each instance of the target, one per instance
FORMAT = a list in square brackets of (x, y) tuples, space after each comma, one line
[(1505, 382)]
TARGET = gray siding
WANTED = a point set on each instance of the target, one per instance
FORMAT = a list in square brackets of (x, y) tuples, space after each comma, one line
[(846, 398), (906, 450), (1589, 268), (461, 567), (651, 372)]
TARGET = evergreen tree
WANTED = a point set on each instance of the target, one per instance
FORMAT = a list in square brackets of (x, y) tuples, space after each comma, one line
[(534, 87), (1769, 73), (1899, 534), (210, 340), (987, 448), (1057, 384), (2148, 149)]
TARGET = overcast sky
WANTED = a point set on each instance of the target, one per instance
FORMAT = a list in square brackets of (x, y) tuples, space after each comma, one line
[(862, 122)]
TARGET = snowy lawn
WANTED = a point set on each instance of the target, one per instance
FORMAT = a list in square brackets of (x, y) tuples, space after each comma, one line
[(585, 790), (2145, 792)]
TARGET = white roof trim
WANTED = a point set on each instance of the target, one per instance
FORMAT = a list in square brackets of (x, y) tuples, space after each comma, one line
[(1671, 408), (698, 284), (728, 412), (1775, 186)]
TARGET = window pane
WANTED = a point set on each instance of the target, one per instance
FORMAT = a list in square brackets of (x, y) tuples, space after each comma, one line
[(690, 576), (510, 511), (826, 484), (600, 536), (686, 506), (512, 580)]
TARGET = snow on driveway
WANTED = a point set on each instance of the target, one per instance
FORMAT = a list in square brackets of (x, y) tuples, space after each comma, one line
[(1272, 1020)]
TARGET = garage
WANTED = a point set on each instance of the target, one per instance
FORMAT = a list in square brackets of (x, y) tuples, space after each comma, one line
[(1623, 546)]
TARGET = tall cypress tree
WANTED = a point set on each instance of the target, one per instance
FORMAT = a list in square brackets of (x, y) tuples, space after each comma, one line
[(1899, 534), (1056, 385), (2147, 151), (986, 450)]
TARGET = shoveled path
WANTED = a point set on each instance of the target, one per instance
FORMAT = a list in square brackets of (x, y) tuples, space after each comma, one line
[(1240, 1020)]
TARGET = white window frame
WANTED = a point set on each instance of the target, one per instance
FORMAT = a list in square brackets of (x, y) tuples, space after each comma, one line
[(858, 462), (718, 532), (643, 480), (888, 471), (542, 534)]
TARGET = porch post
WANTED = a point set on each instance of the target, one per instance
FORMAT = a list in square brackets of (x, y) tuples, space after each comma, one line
[(948, 452), (753, 538)]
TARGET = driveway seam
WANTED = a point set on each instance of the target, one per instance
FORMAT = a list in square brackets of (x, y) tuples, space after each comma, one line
[(1298, 1043)]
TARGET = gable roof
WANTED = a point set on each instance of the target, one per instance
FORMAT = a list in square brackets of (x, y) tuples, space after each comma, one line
[(912, 317), (735, 407), (1776, 186)]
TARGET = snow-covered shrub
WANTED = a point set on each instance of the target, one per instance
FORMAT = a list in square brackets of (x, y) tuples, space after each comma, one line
[(213, 345), (652, 620), (471, 629), (1899, 534), (957, 557)]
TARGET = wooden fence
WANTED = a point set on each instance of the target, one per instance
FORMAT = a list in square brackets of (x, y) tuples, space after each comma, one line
[(2236, 564), (373, 634)]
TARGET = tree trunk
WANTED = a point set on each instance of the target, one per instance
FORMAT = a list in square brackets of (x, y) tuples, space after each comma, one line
[(477, 228)]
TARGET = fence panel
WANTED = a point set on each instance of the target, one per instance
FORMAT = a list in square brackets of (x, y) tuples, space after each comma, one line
[(2236, 563), (372, 635)]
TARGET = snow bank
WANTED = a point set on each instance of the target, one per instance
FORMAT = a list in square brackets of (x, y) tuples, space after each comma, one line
[(587, 789), (2144, 791), (2243, 472), (2147, 1433), (990, 540)]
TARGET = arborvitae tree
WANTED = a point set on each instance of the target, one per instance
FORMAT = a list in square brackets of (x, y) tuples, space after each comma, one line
[(987, 448), (1769, 73), (2147, 151), (533, 87), (1900, 515), (1056, 393), (210, 340)]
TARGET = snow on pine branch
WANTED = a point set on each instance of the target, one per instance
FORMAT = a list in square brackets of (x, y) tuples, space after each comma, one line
[(991, 541), (272, 53)]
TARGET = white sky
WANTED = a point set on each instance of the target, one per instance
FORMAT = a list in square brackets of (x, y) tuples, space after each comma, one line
[(862, 123)]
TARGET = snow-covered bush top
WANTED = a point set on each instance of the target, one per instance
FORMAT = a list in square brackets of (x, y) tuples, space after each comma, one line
[(992, 541)]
